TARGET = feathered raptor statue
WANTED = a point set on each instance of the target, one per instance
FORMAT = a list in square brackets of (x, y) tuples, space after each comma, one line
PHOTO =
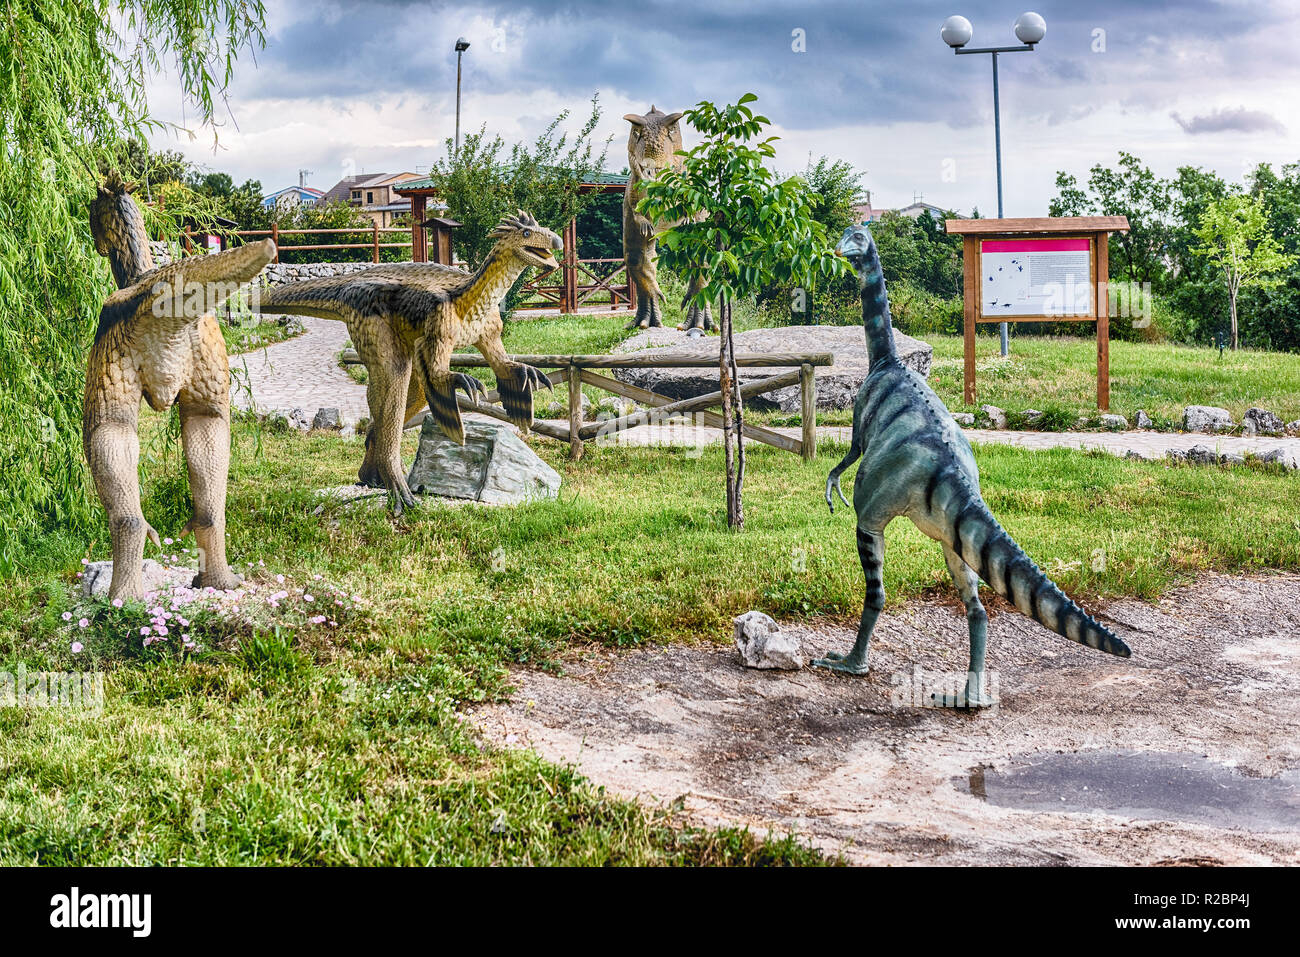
[(159, 340), (916, 462), (414, 315)]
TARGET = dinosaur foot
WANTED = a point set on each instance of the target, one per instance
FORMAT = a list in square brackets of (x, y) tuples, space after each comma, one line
[(399, 494), (220, 579), (834, 661)]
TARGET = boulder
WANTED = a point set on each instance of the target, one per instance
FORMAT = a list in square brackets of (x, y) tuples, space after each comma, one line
[(837, 385), (1202, 455), (1262, 422), (1206, 418), (97, 576), (327, 419), (762, 643), (1280, 457), (494, 466), (298, 420), (1144, 420), (964, 419), (997, 417), (1116, 423), (1032, 416)]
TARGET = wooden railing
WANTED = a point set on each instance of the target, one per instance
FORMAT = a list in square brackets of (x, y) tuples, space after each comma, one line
[(578, 370)]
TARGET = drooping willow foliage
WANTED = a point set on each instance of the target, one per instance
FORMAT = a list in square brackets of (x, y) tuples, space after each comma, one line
[(72, 90)]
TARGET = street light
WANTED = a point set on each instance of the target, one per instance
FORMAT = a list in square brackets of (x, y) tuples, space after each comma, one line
[(1030, 29), (461, 46)]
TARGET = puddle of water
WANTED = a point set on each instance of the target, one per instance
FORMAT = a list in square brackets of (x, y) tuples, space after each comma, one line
[(1153, 785)]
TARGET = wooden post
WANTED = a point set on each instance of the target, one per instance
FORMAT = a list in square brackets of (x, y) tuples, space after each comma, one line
[(419, 253), (575, 413), (1102, 305), (569, 295), (808, 411), (970, 299), (275, 238), (374, 233)]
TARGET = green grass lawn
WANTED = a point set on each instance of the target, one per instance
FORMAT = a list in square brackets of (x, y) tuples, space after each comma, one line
[(282, 741), (1158, 377)]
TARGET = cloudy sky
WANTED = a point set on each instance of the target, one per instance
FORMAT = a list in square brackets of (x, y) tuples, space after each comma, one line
[(370, 87)]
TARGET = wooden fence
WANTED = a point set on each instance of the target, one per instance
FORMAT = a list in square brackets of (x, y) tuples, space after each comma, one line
[(579, 370)]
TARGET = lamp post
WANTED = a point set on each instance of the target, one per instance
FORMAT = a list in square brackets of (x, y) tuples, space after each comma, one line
[(461, 46), (1030, 29)]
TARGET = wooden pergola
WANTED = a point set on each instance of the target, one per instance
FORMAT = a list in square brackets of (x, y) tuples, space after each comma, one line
[(569, 294)]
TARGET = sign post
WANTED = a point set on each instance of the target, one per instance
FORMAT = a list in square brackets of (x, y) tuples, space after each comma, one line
[(1049, 269)]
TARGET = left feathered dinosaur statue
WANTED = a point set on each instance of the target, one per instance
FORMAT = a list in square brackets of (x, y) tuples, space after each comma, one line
[(405, 316), (159, 340)]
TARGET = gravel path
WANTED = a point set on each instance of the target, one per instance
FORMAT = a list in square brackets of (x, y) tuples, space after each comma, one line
[(303, 373)]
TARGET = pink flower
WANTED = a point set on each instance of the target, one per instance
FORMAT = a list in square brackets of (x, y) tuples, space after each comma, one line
[(168, 541), (161, 629), (76, 647), (317, 619), (145, 632), (308, 598), (316, 577), (84, 623), (280, 579), (117, 603), (67, 616), (85, 561)]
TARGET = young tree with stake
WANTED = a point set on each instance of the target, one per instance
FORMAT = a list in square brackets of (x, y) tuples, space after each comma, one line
[(741, 230)]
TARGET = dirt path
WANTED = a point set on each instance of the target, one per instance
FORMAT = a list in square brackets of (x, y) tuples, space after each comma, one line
[(1191, 746)]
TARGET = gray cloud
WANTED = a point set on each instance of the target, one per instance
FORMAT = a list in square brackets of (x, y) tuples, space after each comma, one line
[(1239, 120)]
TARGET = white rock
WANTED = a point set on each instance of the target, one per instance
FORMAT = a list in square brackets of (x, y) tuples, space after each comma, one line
[(1206, 418), (97, 576), (997, 417), (1261, 421), (762, 643), (1144, 420), (965, 419), (1116, 422)]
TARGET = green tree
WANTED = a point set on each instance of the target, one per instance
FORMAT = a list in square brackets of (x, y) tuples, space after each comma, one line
[(72, 94), (480, 183), (1235, 239), (1129, 190), (741, 230)]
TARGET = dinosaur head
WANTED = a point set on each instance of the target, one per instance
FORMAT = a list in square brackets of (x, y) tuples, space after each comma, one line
[(857, 246), (118, 230), (522, 237), (653, 142)]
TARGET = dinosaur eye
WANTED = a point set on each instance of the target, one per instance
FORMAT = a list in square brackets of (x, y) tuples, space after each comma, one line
[(527, 233)]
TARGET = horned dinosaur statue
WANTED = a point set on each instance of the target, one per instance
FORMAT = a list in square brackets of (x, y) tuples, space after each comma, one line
[(652, 146), (158, 339), (918, 463), (406, 315)]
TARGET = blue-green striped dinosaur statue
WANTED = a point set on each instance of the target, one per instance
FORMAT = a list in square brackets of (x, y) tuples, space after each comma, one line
[(916, 462)]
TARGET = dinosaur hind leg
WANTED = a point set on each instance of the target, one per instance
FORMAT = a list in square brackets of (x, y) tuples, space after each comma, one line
[(113, 451), (871, 552), (697, 317), (205, 434), (977, 619)]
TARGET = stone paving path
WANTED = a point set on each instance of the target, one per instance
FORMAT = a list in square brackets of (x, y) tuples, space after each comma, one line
[(303, 373)]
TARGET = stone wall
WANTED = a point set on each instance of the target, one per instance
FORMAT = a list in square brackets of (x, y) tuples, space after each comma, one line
[(275, 274)]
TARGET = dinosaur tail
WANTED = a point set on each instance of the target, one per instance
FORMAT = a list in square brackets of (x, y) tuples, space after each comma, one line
[(985, 546), (309, 297)]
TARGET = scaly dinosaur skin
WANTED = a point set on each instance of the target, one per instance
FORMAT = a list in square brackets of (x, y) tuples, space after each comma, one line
[(917, 463), (414, 315), (158, 339), (652, 146)]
